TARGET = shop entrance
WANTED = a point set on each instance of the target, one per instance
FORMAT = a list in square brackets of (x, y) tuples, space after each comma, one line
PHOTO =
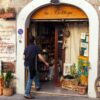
[(49, 38), (60, 44)]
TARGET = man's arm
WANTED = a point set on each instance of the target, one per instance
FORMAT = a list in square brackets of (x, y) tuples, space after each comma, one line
[(43, 60)]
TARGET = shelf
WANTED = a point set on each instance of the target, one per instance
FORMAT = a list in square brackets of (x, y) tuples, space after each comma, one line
[(47, 42)]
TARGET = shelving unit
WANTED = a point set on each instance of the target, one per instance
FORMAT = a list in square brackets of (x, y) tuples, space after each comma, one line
[(50, 39), (45, 40)]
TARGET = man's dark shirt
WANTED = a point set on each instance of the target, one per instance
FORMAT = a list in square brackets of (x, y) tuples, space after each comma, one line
[(30, 52)]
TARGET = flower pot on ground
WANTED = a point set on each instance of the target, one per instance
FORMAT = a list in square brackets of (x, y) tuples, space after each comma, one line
[(8, 89), (1, 82), (82, 89), (1, 85), (83, 66), (82, 86)]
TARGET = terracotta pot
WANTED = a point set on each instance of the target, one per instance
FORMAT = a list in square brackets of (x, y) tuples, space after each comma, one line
[(7, 91), (1, 85), (82, 90)]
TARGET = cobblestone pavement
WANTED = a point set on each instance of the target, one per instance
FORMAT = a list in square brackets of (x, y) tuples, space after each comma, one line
[(47, 97)]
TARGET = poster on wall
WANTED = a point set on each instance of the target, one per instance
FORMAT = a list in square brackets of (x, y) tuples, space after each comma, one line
[(84, 45), (7, 44)]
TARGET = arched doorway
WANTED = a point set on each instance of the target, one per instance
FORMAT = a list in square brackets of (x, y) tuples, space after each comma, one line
[(23, 22)]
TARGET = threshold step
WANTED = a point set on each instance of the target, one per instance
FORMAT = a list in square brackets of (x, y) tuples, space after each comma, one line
[(57, 94)]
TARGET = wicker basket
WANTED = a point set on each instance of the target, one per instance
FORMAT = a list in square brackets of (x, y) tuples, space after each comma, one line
[(70, 84), (7, 91)]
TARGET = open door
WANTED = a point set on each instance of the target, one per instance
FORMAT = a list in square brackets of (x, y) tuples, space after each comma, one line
[(49, 38), (56, 56), (59, 53)]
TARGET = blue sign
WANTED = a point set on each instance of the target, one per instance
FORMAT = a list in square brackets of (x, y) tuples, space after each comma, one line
[(20, 31)]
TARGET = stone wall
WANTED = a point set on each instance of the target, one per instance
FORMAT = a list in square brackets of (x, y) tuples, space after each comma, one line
[(18, 4)]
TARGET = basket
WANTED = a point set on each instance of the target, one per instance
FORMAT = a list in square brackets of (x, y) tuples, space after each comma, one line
[(70, 84), (7, 91)]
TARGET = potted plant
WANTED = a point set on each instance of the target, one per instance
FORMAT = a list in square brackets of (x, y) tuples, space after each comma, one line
[(8, 89), (74, 73), (11, 10), (1, 83), (82, 89), (73, 70), (2, 11)]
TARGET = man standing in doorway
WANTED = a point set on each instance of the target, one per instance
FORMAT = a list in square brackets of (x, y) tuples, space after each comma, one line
[(30, 52)]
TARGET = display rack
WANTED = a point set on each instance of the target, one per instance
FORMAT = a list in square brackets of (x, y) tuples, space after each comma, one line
[(46, 43)]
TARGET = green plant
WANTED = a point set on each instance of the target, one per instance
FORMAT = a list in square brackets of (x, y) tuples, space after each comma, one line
[(11, 10), (83, 66), (8, 78), (2, 11), (73, 70)]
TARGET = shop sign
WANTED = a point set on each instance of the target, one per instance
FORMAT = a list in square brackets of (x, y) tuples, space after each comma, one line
[(60, 11), (20, 31)]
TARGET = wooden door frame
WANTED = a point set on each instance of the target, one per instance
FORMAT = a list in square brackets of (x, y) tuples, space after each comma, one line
[(56, 56), (56, 80)]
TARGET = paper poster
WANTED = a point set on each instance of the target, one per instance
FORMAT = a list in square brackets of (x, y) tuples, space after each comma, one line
[(86, 53), (66, 70), (87, 39), (84, 45), (83, 35)]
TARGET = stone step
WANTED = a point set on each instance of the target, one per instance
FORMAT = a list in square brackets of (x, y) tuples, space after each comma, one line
[(45, 93)]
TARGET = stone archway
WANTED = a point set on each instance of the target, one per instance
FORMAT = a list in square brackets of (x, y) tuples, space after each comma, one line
[(23, 22)]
